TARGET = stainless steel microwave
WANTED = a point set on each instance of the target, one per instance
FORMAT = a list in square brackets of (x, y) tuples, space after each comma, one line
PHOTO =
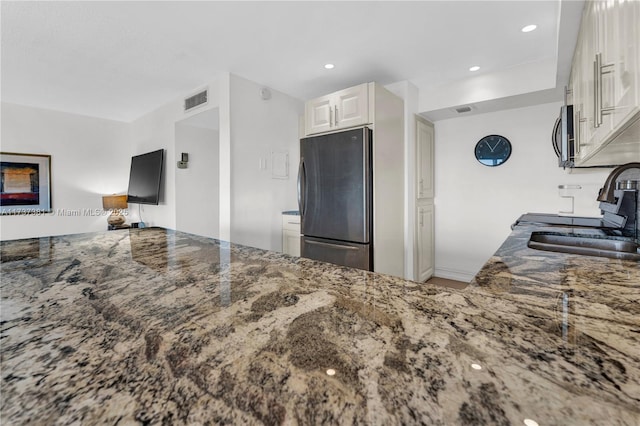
[(562, 137)]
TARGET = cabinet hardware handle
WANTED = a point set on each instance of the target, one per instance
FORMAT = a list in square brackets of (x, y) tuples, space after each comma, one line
[(335, 112), (599, 95), (421, 218), (421, 187), (578, 136), (338, 246), (302, 178), (601, 70), (596, 91), (330, 116)]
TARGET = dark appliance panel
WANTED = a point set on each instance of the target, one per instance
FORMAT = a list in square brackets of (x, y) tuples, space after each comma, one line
[(336, 186), (354, 255), (563, 137)]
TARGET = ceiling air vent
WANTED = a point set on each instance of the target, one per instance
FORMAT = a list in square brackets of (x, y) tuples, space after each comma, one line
[(195, 100), (462, 109)]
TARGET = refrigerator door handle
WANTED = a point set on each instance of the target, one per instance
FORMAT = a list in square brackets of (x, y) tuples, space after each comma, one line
[(301, 186), (331, 245)]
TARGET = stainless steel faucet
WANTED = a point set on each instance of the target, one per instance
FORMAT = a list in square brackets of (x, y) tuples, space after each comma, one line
[(606, 192)]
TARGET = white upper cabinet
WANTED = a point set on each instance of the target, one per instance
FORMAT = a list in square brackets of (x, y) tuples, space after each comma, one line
[(605, 79), (319, 115), (340, 110), (577, 83), (352, 107), (618, 45), (424, 160)]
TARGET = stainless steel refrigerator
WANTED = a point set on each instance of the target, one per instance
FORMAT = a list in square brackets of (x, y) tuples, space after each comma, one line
[(335, 197)]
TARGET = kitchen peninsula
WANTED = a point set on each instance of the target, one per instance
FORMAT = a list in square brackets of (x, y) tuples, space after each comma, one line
[(151, 326)]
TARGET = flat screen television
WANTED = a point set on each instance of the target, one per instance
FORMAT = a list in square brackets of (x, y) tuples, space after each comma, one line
[(145, 177)]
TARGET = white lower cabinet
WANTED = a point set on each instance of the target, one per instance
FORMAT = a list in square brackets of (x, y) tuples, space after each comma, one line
[(291, 234), (425, 242)]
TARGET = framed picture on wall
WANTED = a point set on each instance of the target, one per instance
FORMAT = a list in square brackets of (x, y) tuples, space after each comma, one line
[(26, 183)]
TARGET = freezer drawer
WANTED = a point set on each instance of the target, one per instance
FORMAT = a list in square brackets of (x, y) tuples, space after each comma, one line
[(338, 252)]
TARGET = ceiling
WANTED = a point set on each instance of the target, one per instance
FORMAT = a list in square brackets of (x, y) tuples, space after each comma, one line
[(120, 60)]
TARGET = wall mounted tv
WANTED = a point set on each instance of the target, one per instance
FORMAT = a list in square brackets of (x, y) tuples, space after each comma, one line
[(145, 177)]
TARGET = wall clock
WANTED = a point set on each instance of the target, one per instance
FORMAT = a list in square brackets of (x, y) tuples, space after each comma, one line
[(493, 150)]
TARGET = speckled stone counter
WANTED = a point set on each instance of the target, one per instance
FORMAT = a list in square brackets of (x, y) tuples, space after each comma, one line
[(147, 326)]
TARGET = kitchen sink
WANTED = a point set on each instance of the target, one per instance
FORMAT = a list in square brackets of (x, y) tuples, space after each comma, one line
[(587, 245)]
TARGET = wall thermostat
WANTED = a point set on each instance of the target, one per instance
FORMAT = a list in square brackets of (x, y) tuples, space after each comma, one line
[(183, 163)]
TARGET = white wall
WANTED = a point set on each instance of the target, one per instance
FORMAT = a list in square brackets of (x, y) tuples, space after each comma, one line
[(250, 201), (504, 83), (259, 127), (90, 157), (475, 205), (409, 94), (157, 130), (197, 186), (224, 176), (153, 131)]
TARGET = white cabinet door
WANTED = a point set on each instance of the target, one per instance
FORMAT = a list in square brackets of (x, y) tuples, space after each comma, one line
[(424, 159), (291, 242), (339, 110), (291, 234), (577, 89), (589, 41), (351, 106), (604, 69), (319, 115), (424, 231), (605, 74), (621, 97)]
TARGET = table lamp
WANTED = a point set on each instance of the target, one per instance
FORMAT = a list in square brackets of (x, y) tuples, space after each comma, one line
[(115, 203)]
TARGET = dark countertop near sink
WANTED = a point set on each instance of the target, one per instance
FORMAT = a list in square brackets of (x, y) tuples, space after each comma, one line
[(149, 326), (559, 220)]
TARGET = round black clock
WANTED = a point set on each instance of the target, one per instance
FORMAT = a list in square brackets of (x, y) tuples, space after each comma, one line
[(493, 150)]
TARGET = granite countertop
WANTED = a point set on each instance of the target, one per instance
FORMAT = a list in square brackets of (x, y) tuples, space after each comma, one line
[(291, 212), (148, 326)]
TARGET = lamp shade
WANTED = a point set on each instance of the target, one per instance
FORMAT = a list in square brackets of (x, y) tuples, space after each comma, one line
[(111, 202)]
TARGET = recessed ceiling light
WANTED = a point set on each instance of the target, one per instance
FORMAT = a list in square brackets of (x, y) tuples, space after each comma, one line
[(529, 28), (329, 66), (476, 366), (474, 68), (331, 372), (530, 422)]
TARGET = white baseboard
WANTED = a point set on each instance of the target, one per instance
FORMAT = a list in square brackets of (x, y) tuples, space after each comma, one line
[(453, 274)]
